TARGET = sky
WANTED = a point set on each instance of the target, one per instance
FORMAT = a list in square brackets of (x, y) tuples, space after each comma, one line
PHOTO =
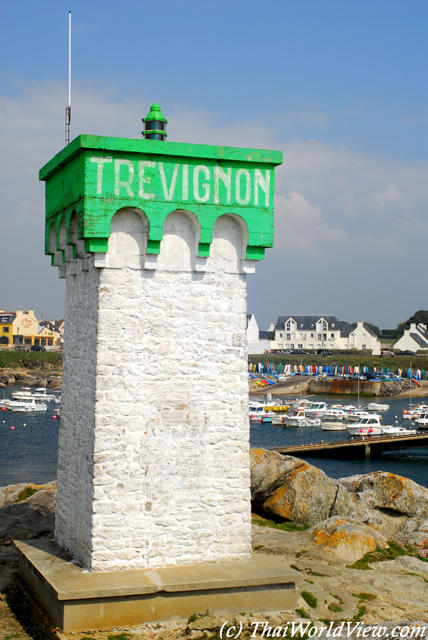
[(339, 86)]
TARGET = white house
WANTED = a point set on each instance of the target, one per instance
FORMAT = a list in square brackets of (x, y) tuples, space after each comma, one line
[(258, 341), (414, 338), (362, 337), (327, 332)]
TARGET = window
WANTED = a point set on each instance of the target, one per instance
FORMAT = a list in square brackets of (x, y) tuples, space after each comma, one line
[(291, 346), (324, 336), (50, 342), (293, 336), (288, 336), (4, 319), (351, 338), (43, 342), (27, 341), (312, 335), (287, 346), (301, 336), (318, 346), (5, 329), (364, 346), (37, 342), (319, 337), (311, 346), (363, 336), (300, 346), (331, 336)]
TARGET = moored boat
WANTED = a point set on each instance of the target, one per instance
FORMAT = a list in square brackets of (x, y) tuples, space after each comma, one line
[(366, 426)]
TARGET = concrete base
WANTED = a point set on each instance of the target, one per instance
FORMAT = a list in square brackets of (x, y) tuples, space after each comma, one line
[(79, 600)]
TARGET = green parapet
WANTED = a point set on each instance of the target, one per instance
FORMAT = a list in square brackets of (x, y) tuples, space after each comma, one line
[(204, 249), (96, 176)]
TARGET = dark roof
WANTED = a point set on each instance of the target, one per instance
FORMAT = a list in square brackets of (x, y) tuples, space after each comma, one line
[(370, 331), (309, 322), (419, 340), (265, 335), (9, 315)]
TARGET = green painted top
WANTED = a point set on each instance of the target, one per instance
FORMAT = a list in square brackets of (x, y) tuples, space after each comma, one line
[(95, 176), (155, 114)]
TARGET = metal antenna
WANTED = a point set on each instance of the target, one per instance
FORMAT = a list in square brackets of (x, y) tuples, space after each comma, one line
[(68, 108)]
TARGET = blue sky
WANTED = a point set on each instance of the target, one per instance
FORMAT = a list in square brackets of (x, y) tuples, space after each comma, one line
[(339, 86)]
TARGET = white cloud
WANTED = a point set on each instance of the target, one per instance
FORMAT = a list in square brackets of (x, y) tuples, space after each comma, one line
[(330, 199)]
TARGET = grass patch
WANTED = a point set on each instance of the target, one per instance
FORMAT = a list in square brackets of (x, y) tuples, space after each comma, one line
[(26, 493), (300, 553), (192, 618), (259, 546), (409, 573), (359, 614), (31, 360), (334, 607), (310, 599), (87, 638), (282, 526), (310, 581), (302, 613), (364, 597), (394, 550), (123, 636), (314, 573), (340, 601)]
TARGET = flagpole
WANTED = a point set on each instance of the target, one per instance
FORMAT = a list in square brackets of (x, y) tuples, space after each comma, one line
[(68, 108)]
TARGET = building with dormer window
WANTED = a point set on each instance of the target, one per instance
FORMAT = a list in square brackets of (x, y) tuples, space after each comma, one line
[(322, 332)]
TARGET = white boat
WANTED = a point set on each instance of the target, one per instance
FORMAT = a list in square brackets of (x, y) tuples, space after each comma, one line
[(57, 400), (415, 412), (42, 394), (37, 394), (376, 406), (257, 413), (334, 426), (398, 431), (335, 415), (368, 426), (355, 416), (301, 419), (27, 404), (24, 392), (422, 421), (317, 409)]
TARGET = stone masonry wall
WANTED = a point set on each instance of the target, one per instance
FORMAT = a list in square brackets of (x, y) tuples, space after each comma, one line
[(165, 478), (76, 434)]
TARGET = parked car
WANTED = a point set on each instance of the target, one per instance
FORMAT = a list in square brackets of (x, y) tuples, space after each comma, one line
[(36, 347), (21, 347), (406, 353)]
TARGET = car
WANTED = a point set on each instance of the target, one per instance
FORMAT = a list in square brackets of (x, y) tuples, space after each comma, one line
[(20, 347), (299, 352), (36, 347), (406, 353)]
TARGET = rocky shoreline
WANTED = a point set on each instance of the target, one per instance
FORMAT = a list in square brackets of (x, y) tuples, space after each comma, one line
[(359, 546), (45, 377)]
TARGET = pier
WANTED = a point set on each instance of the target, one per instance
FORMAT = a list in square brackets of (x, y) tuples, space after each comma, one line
[(361, 447)]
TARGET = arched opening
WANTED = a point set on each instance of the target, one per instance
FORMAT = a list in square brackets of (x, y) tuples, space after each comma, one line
[(228, 245), (128, 239), (179, 243)]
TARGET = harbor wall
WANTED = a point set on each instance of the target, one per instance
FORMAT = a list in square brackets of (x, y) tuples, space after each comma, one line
[(345, 388)]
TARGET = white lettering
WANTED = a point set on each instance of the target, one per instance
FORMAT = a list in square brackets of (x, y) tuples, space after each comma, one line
[(205, 185), (366, 632), (379, 632), (143, 179), (299, 627), (246, 198), (100, 162), (404, 632), (263, 183), (226, 178), (126, 184), (168, 194), (185, 183)]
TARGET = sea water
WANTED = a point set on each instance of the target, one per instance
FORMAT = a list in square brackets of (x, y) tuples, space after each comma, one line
[(29, 452), (410, 463)]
